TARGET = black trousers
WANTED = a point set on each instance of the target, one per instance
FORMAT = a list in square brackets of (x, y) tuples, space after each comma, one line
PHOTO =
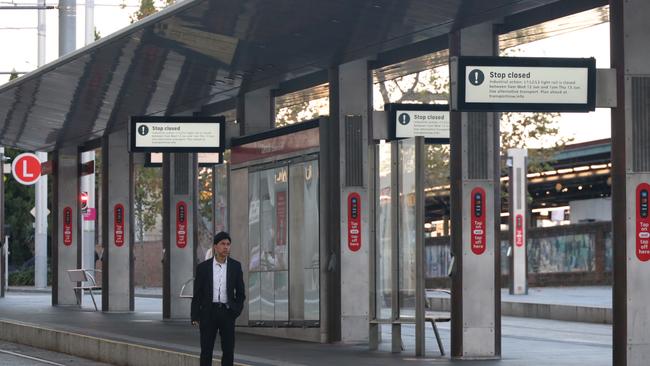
[(222, 320)]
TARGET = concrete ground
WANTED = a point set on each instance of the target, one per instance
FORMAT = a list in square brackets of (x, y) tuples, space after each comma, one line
[(525, 341)]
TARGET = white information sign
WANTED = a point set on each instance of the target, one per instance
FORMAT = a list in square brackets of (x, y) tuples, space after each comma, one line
[(176, 135), (512, 84), (428, 124)]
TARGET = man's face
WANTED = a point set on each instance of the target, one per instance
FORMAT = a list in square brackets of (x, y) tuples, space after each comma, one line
[(222, 248)]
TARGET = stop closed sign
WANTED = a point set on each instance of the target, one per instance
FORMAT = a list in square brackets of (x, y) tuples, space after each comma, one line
[(26, 168)]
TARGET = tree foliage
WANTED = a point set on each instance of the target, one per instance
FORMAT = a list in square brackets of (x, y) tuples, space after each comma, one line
[(13, 75), (148, 7), (148, 199), (19, 200)]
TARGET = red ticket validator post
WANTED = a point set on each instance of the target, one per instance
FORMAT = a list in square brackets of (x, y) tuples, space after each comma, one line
[(67, 226), (181, 224), (477, 225), (354, 222), (642, 222), (118, 225), (519, 231)]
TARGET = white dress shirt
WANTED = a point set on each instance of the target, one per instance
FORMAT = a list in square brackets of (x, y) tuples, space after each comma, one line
[(219, 271)]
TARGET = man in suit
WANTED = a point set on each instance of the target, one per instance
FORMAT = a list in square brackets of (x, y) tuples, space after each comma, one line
[(218, 300)]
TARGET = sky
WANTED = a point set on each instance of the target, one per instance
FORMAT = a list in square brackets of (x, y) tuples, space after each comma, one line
[(19, 50)]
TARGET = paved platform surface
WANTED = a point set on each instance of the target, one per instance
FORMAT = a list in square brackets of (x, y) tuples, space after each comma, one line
[(525, 341)]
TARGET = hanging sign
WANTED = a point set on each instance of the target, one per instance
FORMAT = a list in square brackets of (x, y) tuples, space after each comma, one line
[(181, 224), (67, 226), (177, 134), (477, 227), (430, 121), (118, 225), (519, 231), (642, 223), (354, 222), (525, 84)]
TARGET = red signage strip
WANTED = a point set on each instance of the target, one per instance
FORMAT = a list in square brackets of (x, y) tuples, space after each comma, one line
[(519, 231), (281, 218), (642, 222), (275, 146), (67, 226), (477, 227), (118, 225), (181, 224), (354, 222)]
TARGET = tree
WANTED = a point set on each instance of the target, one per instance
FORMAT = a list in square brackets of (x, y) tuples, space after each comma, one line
[(19, 200), (147, 7), (13, 75), (147, 199)]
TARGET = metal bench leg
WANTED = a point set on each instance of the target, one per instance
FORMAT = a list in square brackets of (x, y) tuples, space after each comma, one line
[(77, 295), (93, 297), (435, 330)]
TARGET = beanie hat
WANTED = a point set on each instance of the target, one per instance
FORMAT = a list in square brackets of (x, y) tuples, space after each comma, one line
[(220, 236)]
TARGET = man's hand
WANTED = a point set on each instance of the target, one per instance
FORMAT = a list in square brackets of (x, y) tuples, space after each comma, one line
[(195, 322)]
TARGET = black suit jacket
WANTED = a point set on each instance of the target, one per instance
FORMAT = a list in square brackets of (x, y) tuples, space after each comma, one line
[(203, 288)]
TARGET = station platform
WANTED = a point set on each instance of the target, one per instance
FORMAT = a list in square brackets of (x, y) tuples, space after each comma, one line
[(142, 338)]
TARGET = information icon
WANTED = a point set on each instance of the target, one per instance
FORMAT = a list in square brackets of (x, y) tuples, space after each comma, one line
[(143, 130), (476, 77), (404, 119)]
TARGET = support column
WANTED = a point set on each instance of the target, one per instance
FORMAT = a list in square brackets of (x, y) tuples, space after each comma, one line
[(631, 181), (66, 249), (40, 228), (476, 306), (355, 203), (117, 223), (518, 192), (179, 231), (3, 245)]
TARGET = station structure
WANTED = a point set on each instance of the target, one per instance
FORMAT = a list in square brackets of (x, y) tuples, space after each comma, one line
[(302, 200)]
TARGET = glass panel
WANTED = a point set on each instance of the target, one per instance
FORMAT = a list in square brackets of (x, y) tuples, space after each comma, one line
[(304, 235), (205, 211), (254, 221), (254, 300), (280, 203), (383, 252), (221, 197), (267, 296), (311, 254), (437, 259), (406, 178), (302, 105), (312, 294), (505, 260), (282, 296), (609, 254), (267, 214)]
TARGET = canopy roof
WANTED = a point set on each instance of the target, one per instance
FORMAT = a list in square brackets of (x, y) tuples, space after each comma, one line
[(204, 51)]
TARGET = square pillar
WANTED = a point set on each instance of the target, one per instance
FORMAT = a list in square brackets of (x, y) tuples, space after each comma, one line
[(66, 249), (117, 223), (631, 181), (179, 231), (475, 206), (355, 204)]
